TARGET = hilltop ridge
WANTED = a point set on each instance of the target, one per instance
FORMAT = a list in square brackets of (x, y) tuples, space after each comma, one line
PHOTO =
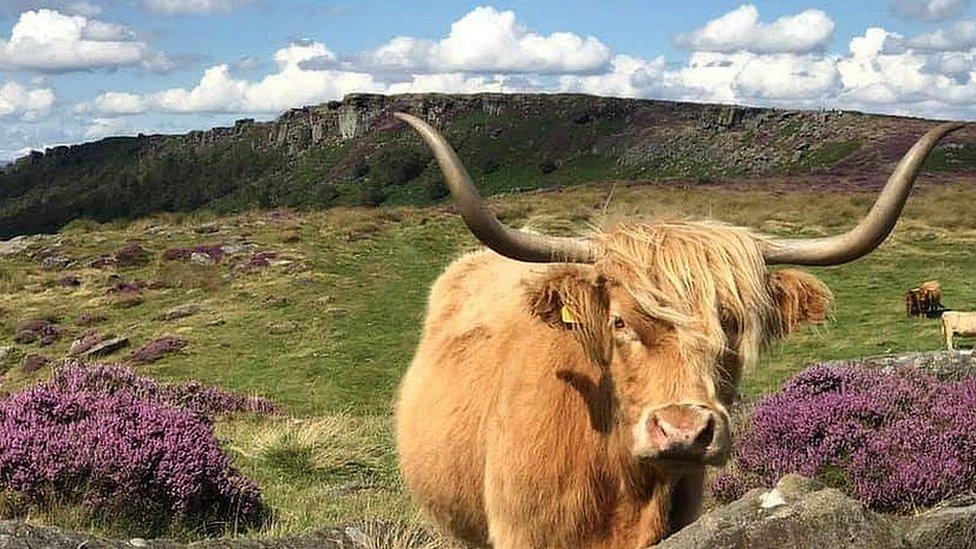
[(354, 152)]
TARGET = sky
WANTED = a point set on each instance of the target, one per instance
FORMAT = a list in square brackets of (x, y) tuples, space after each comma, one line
[(79, 70)]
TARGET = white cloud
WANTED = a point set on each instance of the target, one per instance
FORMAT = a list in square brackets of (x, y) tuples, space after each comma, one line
[(873, 76), (193, 7), (741, 30), (749, 77), (113, 104), (487, 40), (49, 41), (291, 86), (735, 59), (628, 77), (959, 37), (28, 103), (104, 127), (928, 10)]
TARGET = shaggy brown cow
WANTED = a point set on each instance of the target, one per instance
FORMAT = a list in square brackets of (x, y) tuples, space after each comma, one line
[(926, 299), (569, 392), (931, 299), (913, 302)]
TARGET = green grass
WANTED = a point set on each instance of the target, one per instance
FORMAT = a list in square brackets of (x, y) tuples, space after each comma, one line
[(832, 152), (354, 284)]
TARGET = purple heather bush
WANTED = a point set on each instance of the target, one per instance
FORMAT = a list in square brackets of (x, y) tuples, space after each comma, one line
[(43, 330), (899, 440), (215, 251), (123, 445), (260, 260), (157, 349), (131, 255), (33, 363), (202, 400)]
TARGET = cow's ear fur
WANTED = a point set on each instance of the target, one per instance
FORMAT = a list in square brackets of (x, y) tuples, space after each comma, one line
[(800, 297), (584, 295)]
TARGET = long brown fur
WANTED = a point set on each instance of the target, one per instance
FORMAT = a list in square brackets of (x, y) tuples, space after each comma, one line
[(516, 429)]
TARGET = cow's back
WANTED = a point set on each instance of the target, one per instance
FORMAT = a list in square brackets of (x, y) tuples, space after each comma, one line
[(452, 384)]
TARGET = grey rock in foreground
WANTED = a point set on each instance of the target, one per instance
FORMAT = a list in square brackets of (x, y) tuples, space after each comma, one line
[(951, 526), (943, 364), (798, 512), (801, 513)]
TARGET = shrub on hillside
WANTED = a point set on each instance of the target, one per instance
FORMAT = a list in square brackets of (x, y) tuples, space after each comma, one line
[(43, 330), (131, 255), (898, 441), (124, 447), (157, 349), (215, 251)]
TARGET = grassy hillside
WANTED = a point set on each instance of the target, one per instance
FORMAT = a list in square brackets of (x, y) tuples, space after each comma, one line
[(327, 328)]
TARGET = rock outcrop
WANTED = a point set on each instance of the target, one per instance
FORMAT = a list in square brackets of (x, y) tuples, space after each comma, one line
[(801, 513), (354, 151)]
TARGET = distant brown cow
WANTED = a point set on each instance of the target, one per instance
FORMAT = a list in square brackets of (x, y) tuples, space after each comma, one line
[(925, 300), (913, 302), (568, 393)]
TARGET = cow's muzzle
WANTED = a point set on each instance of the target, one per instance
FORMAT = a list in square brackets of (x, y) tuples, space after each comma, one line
[(680, 435)]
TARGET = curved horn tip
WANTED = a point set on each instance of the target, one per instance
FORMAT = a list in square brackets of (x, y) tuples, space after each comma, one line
[(872, 229)]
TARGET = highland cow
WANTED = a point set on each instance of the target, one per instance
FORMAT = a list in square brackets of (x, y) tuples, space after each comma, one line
[(569, 392)]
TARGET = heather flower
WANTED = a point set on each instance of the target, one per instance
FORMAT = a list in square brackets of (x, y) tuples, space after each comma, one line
[(260, 260), (898, 441), (215, 251), (157, 349), (201, 400), (116, 443), (87, 340), (131, 255), (41, 329), (33, 363)]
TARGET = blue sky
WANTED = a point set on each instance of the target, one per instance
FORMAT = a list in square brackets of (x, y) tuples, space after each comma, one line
[(77, 70)]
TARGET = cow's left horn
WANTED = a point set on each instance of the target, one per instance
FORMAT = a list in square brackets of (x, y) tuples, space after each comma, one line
[(876, 225), (509, 242)]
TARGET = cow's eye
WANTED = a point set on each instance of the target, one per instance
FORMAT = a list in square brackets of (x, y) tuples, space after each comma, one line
[(618, 323)]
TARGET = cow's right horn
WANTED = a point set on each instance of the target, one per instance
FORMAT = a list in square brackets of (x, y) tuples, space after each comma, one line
[(515, 244), (876, 225)]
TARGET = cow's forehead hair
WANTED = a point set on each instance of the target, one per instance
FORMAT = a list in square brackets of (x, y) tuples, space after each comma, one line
[(695, 276)]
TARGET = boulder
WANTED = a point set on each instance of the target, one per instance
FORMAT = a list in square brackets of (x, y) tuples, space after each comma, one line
[(179, 312), (201, 259), (950, 526), (106, 347), (798, 512)]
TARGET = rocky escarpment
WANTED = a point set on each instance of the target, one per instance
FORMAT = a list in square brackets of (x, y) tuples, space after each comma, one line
[(354, 152)]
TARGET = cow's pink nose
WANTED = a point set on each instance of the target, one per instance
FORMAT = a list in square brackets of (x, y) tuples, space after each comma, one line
[(683, 432)]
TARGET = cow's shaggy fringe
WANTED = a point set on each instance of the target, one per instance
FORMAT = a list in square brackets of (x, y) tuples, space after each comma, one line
[(707, 279)]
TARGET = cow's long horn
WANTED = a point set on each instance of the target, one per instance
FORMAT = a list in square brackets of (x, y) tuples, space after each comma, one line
[(509, 242), (876, 225)]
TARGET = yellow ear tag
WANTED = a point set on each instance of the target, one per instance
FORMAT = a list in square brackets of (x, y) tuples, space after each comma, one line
[(568, 317)]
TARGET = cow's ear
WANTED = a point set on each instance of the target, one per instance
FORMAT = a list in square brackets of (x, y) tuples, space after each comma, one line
[(566, 296), (574, 299), (800, 297)]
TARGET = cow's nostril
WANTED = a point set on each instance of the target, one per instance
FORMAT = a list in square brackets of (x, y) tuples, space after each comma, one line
[(704, 438)]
